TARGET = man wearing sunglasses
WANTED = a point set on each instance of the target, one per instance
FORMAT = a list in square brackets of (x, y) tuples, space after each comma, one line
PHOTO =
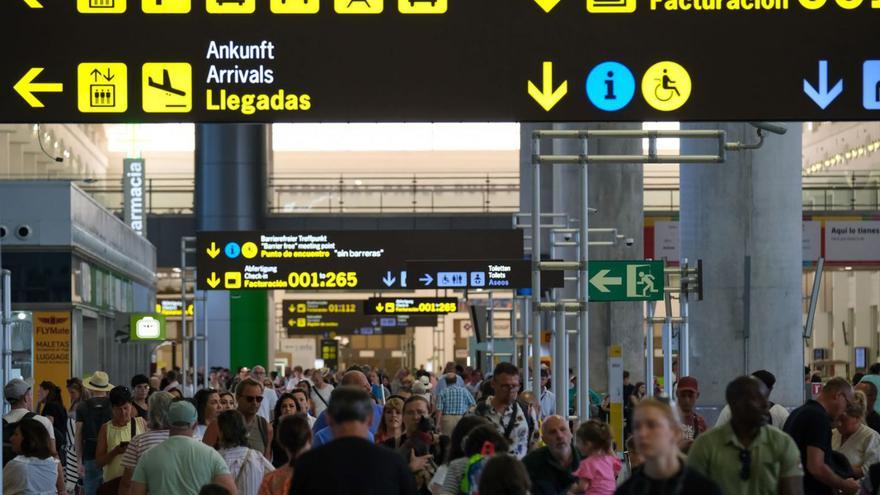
[(248, 396), (810, 426), (746, 456)]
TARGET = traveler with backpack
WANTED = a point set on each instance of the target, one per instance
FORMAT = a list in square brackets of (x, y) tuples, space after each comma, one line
[(513, 420), (18, 394), (114, 437), (90, 415), (463, 475), (420, 444), (248, 395), (34, 470)]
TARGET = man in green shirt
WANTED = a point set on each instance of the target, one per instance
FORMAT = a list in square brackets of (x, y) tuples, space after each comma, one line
[(747, 456), (181, 464)]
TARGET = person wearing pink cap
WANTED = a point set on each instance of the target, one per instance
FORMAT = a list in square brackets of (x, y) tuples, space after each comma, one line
[(692, 424)]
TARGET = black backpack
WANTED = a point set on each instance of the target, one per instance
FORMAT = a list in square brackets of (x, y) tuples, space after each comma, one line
[(97, 412), (9, 429)]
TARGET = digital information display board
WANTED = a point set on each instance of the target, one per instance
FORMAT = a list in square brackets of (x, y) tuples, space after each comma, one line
[(412, 306), (344, 317), (438, 60), (337, 260)]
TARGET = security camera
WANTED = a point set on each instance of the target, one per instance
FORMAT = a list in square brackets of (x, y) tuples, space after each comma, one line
[(629, 241), (766, 126), (567, 237)]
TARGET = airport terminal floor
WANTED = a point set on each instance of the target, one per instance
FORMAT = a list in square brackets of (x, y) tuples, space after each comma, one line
[(440, 247)]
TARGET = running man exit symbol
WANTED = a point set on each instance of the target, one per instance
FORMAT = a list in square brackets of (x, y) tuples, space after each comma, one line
[(639, 281)]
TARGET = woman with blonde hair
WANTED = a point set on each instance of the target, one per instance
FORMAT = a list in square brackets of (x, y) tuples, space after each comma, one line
[(657, 431), (391, 426), (854, 439)]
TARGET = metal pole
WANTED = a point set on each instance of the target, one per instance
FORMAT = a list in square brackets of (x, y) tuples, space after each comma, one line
[(667, 346), (6, 321), (584, 335), (579, 362), (557, 349), (649, 348), (6, 351), (195, 345), (520, 342), (183, 329), (205, 335), (560, 375), (684, 341), (536, 270), (491, 329)]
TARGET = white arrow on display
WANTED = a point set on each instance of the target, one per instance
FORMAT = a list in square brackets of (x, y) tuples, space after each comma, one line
[(426, 279), (601, 281), (389, 279)]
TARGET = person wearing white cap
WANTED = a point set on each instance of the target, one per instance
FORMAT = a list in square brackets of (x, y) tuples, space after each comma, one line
[(181, 464), (18, 394), (90, 415)]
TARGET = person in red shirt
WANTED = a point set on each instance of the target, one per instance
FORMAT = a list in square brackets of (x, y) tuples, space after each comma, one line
[(686, 395)]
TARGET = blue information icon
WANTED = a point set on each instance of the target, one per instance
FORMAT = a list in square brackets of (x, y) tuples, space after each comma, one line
[(610, 86), (871, 85), (232, 250)]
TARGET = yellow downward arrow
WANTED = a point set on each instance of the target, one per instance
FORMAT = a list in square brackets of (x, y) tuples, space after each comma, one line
[(213, 281), (213, 251), (547, 5), (548, 97), (34, 4), (26, 87), (379, 307)]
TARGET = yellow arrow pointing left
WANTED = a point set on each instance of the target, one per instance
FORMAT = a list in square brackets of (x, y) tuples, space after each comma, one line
[(34, 4), (26, 87), (213, 281), (548, 97)]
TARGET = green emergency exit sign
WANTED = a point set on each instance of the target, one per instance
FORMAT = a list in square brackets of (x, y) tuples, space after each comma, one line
[(626, 280)]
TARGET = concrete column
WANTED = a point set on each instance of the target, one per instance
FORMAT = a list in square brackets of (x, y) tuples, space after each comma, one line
[(616, 191), (743, 219), (232, 162)]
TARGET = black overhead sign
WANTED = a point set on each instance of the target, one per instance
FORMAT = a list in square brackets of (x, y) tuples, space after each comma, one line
[(438, 60), (337, 260), (472, 274), (411, 306), (344, 317)]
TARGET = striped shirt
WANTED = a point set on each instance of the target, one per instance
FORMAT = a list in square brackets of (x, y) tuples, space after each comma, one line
[(140, 445), (455, 400)]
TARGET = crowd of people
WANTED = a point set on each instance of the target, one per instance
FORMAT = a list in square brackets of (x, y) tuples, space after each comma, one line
[(359, 431)]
